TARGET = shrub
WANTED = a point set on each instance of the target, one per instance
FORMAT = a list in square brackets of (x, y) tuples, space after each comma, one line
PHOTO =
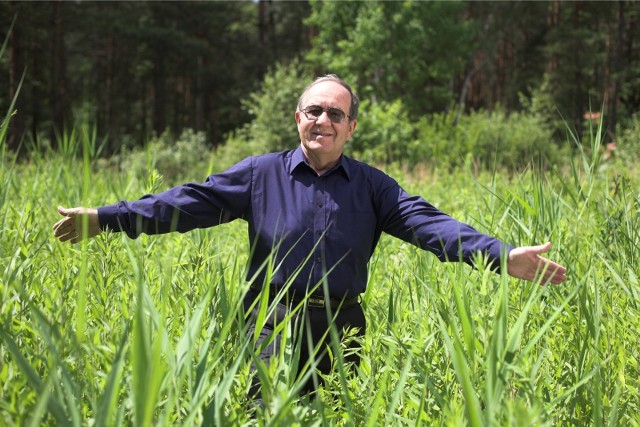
[(175, 159), (488, 139), (384, 134), (628, 141), (387, 133), (272, 107)]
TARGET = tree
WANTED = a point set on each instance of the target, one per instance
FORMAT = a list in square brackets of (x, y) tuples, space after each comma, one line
[(391, 50), (137, 68)]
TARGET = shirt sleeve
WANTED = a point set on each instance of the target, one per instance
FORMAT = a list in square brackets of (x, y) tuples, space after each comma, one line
[(221, 198), (415, 221)]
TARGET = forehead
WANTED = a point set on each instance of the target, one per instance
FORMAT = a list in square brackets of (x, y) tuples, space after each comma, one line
[(328, 94)]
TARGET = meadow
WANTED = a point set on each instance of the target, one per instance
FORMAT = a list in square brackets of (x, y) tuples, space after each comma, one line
[(143, 332)]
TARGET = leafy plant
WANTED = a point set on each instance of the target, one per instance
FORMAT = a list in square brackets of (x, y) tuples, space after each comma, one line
[(272, 108)]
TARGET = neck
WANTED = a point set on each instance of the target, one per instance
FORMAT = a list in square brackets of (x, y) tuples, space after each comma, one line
[(320, 164)]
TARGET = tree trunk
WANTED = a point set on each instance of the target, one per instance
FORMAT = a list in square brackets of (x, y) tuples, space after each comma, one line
[(159, 95), (58, 69), (199, 95), (262, 23), (15, 124), (617, 68), (579, 104)]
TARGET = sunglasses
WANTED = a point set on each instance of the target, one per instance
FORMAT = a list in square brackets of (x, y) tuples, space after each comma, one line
[(313, 112)]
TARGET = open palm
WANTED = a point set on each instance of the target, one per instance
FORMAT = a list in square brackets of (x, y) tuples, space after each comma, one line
[(526, 263)]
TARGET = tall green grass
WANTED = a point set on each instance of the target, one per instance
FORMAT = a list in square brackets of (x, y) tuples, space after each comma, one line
[(150, 331)]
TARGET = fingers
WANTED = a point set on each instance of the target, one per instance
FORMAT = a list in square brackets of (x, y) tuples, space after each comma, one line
[(68, 214), (69, 228), (526, 263), (63, 226), (552, 272), (65, 229)]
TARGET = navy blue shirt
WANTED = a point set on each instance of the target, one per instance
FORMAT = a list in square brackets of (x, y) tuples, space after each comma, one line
[(313, 225)]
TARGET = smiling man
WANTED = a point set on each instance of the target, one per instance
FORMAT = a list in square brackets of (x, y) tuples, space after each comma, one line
[(319, 214), (323, 136)]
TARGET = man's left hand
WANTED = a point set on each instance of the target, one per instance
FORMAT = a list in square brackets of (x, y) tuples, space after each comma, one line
[(526, 263)]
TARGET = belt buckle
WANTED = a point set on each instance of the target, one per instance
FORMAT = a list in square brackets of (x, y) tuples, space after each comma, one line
[(315, 301)]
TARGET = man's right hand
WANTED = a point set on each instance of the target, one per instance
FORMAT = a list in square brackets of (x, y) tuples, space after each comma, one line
[(70, 227)]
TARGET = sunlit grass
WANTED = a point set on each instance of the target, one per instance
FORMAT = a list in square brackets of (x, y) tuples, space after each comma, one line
[(149, 331)]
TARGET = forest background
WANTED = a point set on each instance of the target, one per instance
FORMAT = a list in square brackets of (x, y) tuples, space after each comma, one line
[(519, 118), (229, 72)]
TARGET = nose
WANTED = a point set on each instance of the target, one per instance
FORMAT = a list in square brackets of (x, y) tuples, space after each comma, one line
[(323, 118)]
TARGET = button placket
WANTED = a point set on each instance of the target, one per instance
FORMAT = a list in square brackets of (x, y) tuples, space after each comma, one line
[(319, 225)]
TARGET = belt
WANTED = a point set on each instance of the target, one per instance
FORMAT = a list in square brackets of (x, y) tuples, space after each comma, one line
[(315, 300)]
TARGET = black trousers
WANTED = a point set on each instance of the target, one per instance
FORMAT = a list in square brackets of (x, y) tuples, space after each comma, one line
[(314, 324)]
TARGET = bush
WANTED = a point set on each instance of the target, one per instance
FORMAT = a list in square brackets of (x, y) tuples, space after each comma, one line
[(385, 134), (176, 160), (273, 125), (628, 141), (488, 139)]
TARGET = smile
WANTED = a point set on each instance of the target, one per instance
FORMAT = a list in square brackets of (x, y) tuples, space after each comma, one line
[(323, 134)]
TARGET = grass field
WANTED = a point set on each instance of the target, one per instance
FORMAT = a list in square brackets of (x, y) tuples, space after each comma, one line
[(146, 332)]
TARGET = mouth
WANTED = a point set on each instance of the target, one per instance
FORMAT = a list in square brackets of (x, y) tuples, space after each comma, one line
[(319, 133)]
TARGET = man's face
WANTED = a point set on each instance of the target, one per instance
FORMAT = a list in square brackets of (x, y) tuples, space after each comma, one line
[(322, 138)]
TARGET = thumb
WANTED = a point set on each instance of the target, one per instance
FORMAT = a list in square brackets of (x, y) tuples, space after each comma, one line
[(68, 211), (63, 211), (540, 249)]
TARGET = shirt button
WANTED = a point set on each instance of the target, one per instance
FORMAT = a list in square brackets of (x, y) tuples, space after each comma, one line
[(319, 204)]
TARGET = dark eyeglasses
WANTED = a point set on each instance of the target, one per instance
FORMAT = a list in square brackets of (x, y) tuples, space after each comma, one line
[(313, 112)]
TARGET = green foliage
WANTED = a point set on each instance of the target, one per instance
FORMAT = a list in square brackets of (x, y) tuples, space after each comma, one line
[(388, 133), (385, 133), (394, 50), (272, 107), (540, 103), (628, 141), (136, 68), (496, 138), (484, 139), (175, 159), (578, 52), (148, 331)]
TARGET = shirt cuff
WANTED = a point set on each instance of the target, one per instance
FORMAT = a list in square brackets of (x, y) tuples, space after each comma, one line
[(109, 218), (496, 252)]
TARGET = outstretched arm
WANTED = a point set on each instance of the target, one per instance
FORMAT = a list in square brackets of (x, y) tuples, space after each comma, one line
[(70, 227), (526, 263)]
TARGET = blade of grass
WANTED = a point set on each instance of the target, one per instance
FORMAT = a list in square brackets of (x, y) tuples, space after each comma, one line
[(461, 367), (55, 407), (108, 399)]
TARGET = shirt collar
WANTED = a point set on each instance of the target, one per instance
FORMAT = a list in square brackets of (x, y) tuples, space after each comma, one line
[(297, 159)]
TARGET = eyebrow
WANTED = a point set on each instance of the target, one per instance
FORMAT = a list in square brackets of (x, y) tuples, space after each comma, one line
[(331, 106)]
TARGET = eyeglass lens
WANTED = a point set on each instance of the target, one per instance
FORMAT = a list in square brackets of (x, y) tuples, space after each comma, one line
[(315, 111)]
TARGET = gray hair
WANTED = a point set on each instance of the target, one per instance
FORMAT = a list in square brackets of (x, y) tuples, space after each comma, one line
[(355, 102)]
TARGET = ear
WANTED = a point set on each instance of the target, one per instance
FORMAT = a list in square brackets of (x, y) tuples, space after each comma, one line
[(297, 116), (352, 128)]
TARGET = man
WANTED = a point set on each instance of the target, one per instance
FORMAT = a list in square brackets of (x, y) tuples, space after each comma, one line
[(319, 213)]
